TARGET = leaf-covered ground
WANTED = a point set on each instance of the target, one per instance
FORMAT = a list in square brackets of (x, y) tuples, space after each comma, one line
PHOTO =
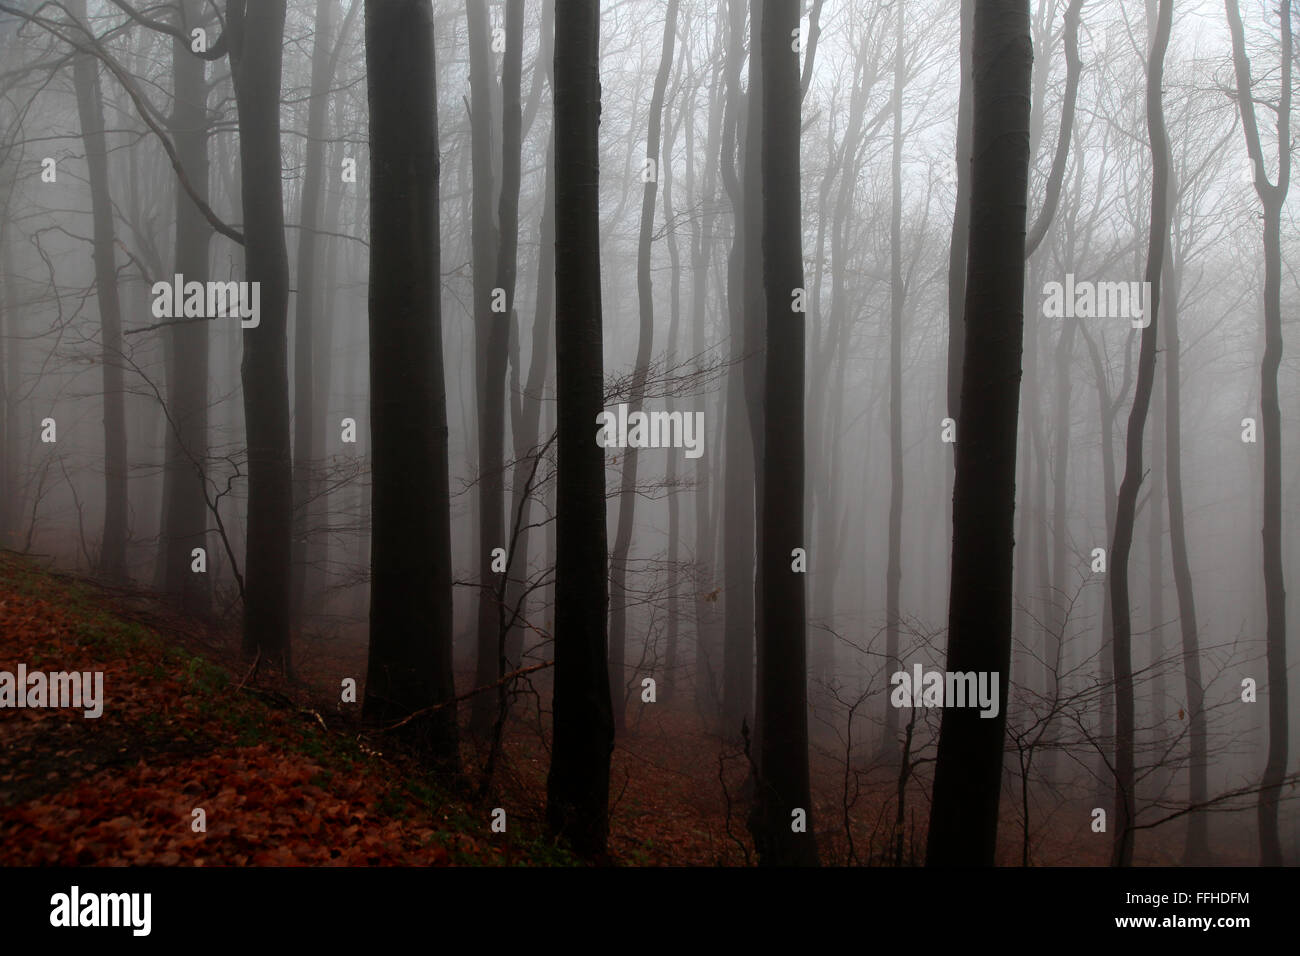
[(285, 774), (276, 784)]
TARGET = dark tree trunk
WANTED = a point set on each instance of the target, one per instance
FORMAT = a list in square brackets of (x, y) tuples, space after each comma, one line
[(671, 626), (491, 346), (738, 504), (1126, 504), (578, 785), (702, 230), (618, 676), (410, 664), (894, 569), (1107, 409), (1064, 358), (960, 243), (749, 668), (256, 51), (90, 110), (526, 423), (185, 511), (1272, 197), (507, 267), (305, 318), (783, 779), (1197, 848), (968, 771)]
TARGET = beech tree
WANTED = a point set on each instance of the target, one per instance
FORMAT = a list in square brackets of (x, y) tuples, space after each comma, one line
[(256, 50), (1272, 195), (968, 768), (409, 667), (645, 343), (783, 827), (90, 109), (577, 803)]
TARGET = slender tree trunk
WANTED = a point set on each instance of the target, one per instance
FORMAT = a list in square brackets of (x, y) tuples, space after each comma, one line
[(754, 342), (702, 229), (1272, 198), (491, 344), (618, 676), (185, 513), (507, 267), (894, 571), (1106, 414), (1197, 849), (669, 669), (738, 503), (256, 51), (783, 792), (1126, 504), (968, 771), (526, 425), (410, 665), (577, 804), (90, 110), (305, 318), (960, 242)]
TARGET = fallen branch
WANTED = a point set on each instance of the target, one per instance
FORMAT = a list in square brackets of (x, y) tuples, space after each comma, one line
[(467, 695)]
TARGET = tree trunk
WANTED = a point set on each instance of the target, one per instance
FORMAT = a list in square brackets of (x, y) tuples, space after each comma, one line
[(507, 266), (305, 412), (702, 228), (185, 511), (968, 771), (783, 792), (738, 503), (894, 571), (90, 110), (960, 242), (618, 676), (526, 424), (1272, 198), (577, 805), (410, 663), (669, 668), (1197, 849), (1126, 504), (256, 52), (491, 345)]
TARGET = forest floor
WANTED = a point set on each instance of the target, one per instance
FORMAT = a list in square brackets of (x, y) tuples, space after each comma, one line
[(285, 774)]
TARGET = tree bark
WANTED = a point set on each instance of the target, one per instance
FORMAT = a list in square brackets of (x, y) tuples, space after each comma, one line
[(185, 512), (256, 52), (90, 110), (738, 505), (491, 344), (968, 771), (410, 661), (1196, 851), (894, 569), (577, 806), (618, 676), (1272, 197), (305, 411), (783, 789), (1126, 504)]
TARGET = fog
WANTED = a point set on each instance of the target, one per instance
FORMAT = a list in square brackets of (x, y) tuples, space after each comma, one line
[(127, 453)]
